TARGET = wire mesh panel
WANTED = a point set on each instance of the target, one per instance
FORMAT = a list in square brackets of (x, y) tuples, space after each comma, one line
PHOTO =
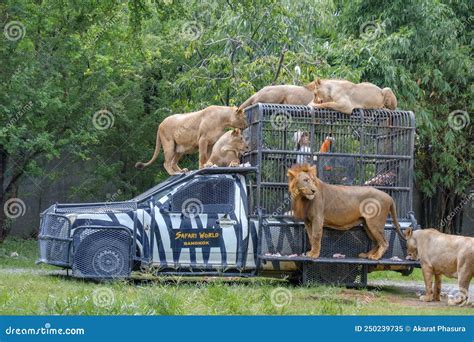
[(54, 252), (348, 243), (396, 246), (340, 275), (283, 239), (289, 240), (338, 169), (55, 226), (54, 242), (275, 200), (205, 194), (101, 253), (105, 207)]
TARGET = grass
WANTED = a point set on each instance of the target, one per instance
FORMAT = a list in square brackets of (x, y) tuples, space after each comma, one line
[(29, 289), (27, 251), (416, 275)]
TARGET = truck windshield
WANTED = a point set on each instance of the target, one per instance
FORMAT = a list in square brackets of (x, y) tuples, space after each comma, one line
[(157, 188)]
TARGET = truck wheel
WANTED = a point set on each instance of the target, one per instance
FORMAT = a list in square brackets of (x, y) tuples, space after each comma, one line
[(296, 278), (105, 254)]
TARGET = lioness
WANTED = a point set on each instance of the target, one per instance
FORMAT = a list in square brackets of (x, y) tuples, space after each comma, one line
[(442, 254), (282, 94), (185, 133), (339, 207), (227, 150), (345, 96)]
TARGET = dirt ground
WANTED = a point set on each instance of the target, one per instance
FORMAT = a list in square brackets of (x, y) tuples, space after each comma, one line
[(407, 292)]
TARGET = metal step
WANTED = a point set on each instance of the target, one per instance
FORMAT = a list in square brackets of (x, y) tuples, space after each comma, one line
[(340, 260), (205, 274)]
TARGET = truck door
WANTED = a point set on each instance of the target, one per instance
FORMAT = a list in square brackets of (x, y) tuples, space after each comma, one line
[(142, 225), (204, 223)]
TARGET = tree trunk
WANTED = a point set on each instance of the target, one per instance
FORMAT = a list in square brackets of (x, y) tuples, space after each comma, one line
[(9, 189), (442, 211), (3, 196)]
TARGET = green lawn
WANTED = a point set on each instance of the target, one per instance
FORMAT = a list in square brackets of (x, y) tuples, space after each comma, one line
[(29, 289)]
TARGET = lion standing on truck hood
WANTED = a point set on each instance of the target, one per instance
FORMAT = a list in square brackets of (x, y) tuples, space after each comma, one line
[(181, 134)]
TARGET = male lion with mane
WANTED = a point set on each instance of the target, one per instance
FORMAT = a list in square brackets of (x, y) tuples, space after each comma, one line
[(339, 207)]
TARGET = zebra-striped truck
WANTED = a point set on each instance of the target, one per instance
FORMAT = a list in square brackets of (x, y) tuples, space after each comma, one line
[(199, 224), (237, 221)]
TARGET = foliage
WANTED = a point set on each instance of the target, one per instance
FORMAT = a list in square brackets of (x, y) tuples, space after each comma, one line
[(140, 61)]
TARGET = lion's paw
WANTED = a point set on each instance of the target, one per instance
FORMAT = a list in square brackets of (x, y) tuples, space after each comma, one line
[(312, 255), (426, 298), (452, 302), (234, 163), (460, 300)]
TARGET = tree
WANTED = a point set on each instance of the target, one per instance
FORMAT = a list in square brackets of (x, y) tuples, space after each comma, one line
[(124, 66)]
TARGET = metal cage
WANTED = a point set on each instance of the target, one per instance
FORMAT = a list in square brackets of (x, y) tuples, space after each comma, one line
[(369, 147)]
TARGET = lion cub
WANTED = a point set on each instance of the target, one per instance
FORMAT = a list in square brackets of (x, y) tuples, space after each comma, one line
[(442, 254), (227, 150)]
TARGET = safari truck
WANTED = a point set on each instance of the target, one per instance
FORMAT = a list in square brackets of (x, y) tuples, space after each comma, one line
[(237, 221)]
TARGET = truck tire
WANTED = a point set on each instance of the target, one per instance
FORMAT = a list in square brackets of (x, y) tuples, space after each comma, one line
[(104, 254)]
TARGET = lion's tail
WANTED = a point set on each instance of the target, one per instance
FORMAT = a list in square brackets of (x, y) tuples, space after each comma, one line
[(393, 213), (389, 99), (248, 102), (141, 165)]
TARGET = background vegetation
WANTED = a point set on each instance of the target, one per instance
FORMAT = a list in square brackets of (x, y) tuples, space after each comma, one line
[(73, 66)]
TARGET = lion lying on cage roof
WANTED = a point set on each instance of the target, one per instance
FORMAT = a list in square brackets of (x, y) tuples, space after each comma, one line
[(339, 207), (345, 96), (282, 94)]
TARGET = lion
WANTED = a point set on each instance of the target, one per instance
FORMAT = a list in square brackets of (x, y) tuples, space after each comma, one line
[(282, 94), (339, 207), (442, 254), (227, 150), (185, 133), (345, 96)]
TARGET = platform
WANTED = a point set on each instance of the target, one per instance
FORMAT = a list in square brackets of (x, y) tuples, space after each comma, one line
[(340, 260)]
